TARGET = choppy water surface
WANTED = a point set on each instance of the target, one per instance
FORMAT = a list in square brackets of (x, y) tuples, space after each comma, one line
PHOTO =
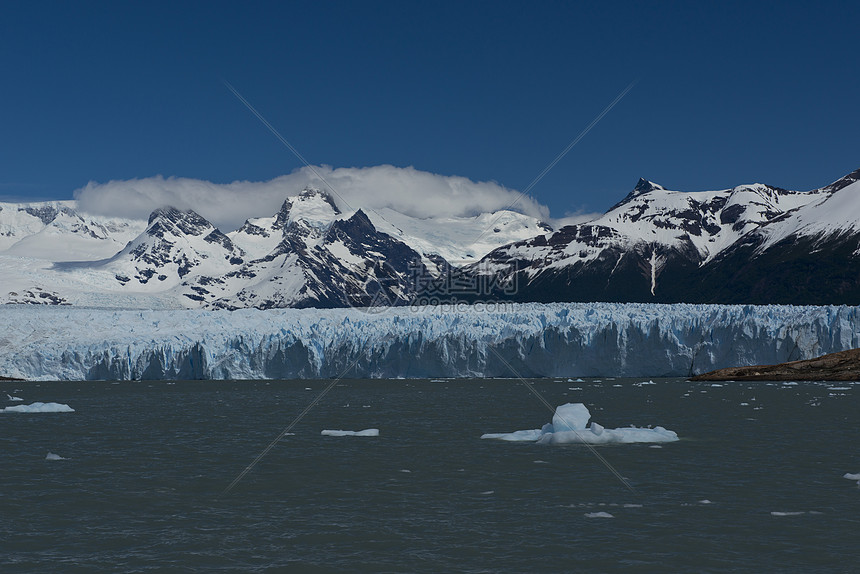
[(755, 483)]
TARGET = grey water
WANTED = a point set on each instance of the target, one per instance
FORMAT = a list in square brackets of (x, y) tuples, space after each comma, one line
[(755, 483)]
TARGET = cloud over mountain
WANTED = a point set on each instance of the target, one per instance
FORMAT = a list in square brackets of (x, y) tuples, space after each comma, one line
[(407, 190)]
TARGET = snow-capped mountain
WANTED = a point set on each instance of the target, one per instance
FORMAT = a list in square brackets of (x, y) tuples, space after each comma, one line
[(750, 244), (309, 253), (56, 230)]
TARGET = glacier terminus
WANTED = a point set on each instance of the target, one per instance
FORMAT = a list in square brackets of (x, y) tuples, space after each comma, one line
[(536, 340)]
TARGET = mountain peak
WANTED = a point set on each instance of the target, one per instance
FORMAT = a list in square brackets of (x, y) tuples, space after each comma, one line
[(844, 181), (645, 186), (188, 222), (310, 192)]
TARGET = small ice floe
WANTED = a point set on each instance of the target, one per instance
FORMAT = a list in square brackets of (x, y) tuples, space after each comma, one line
[(643, 383), (852, 476), (14, 399), (39, 408), (52, 456), (705, 501), (365, 432), (598, 515), (488, 492), (568, 426), (796, 513)]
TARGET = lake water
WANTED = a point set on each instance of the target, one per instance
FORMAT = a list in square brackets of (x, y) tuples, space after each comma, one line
[(755, 483)]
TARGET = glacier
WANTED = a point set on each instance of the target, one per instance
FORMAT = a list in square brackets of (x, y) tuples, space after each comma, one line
[(535, 340)]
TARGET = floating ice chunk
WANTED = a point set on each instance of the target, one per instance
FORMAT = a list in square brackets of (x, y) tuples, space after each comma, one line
[(569, 427), (365, 432), (610, 436), (39, 408), (14, 399), (52, 456), (598, 515), (852, 476), (787, 513), (570, 416), (518, 436)]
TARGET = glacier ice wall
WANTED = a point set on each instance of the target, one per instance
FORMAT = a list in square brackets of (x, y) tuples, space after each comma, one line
[(537, 340)]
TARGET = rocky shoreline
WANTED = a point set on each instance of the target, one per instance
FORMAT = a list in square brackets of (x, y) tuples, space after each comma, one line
[(841, 366)]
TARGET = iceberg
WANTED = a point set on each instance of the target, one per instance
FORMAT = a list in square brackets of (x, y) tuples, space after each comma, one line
[(39, 408), (365, 432), (537, 340), (568, 426)]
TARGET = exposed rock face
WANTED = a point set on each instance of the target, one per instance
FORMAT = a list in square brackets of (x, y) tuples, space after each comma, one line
[(841, 366)]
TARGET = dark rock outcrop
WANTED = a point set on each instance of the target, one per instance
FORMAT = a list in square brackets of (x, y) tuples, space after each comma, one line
[(841, 366)]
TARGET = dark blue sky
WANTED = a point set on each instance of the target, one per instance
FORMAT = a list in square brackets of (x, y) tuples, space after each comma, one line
[(726, 93)]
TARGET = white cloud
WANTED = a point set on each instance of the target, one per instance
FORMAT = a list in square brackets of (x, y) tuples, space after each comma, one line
[(574, 218), (407, 190)]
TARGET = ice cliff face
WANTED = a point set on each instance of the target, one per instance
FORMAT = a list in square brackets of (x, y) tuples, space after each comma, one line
[(537, 340)]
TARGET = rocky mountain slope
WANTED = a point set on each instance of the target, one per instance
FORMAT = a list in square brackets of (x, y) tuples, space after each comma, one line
[(309, 254), (750, 244)]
